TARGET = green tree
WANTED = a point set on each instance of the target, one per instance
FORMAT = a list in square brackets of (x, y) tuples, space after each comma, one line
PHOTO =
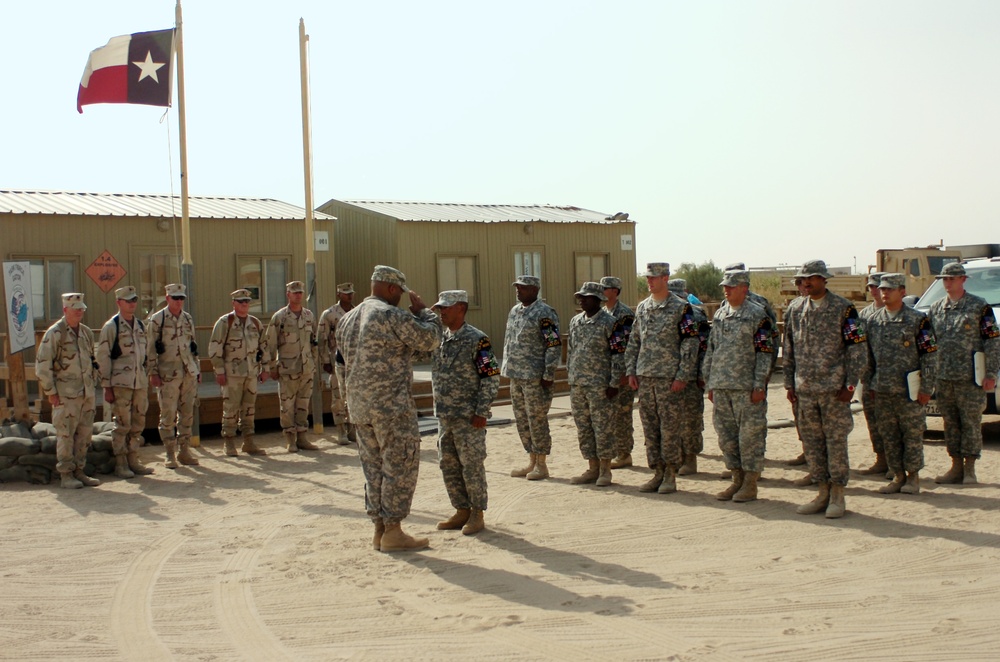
[(702, 280)]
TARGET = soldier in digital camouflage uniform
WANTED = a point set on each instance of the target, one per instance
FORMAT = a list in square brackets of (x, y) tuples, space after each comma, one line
[(964, 324), (660, 360), (378, 340), (121, 355), (466, 379), (901, 342), (596, 349), (825, 354), (290, 347), (867, 402), (172, 362), (622, 423), (333, 364), (531, 353), (237, 354), (692, 419), (66, 369)]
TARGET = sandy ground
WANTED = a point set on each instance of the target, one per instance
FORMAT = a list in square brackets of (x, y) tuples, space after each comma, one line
[(270, 559)]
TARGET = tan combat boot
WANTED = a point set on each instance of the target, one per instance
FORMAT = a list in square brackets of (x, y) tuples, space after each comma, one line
[(818, 504), (804, 481), (953, 475), (456, 521), (137, 467), (541, 470), (603, 473), (68, 481), (880, 466), (796, 461), (653, 483), (895, 486), (475, 523), (302, 441), (121, 467), (85, 479), (377, 538), (588, 476), (689, 466), (727, 494), (524, 471), (171, 462), (837, 506), (969, 472), (623, 460), (250, 448), (912, 485), (342, 435), (669, 484), (290, 444), (748, 492), (185, 456), (230, 445), (395, 540)]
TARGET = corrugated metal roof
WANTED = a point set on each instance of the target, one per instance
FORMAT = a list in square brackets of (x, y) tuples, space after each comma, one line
[(68, 203), (468, 213)]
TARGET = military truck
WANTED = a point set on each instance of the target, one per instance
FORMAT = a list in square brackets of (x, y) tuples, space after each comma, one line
[(922, 264)]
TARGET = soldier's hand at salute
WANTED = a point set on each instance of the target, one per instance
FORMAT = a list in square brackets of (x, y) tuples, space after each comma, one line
[(416, 303), (611, 393), (478, 422)]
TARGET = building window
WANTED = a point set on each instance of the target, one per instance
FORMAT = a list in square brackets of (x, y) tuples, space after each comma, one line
[(528, 262), (156, 271), (51, 277), (591, 267), (265, 277), (459, 272)]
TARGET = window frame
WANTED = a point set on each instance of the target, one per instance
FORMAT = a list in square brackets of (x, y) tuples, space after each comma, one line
[(47, 301), (258, 306), (606, 256), (475, 295)]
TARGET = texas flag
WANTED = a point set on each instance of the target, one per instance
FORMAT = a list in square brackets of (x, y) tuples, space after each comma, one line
[(135, 68)]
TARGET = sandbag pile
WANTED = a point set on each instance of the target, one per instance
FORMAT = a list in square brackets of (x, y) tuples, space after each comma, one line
[(29, 454)]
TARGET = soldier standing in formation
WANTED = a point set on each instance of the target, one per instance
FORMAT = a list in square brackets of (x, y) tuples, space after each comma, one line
[(121, 355), (172, 360), (595, 367), (965, 326), (660, 360), (333, 364), (692, 419), (377, 340), (824, 357), (737, 368), (624, 441), (236, 351), (901, 343), (66, 369), (530, 357), (867, 402), (466, 379), (291, 352)]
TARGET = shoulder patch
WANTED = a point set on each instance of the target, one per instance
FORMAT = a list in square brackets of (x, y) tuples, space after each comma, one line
[(763, 337), (687, 327), (486, 362), (926, 342), (619, 338), (988, 324), (851, 329), (550, 332)]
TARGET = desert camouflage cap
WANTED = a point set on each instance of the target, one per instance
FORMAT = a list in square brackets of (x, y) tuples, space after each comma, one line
[(892, 282), (874, 278), (345, 288), (391, 275), (952, 269), (592, 289), (74, 301), (611, 281), (175, 290), (126, 293), (530, 281), (677, 285), (657, 269), (241, 295), (734, 277), (813, 268), (449, 298), (295, 286)]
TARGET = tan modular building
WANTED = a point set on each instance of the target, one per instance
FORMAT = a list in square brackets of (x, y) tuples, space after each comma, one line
[(482, 249)]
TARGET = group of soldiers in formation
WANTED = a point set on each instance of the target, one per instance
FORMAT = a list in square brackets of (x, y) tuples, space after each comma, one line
[(666, 350)]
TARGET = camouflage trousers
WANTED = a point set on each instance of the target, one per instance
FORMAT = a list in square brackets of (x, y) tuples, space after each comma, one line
[(594, 416), (742, 429), (176, 397), (129, 411), (294, 399), (871, 418), (239, 401), (390, 458), (692, 419), (622, 423), (901, 423), (824, 423), (338, 396), (962, 405), (531, 402), (74, 423), (462, 458), (659, 412)]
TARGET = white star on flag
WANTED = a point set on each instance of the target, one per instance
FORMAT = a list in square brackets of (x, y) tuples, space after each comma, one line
[(149, 67)]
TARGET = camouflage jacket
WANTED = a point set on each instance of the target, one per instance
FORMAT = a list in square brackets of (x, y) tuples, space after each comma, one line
[(377, 341), (328, 333), (290, 344), (465, 374), (236, 345), (65, 363), (626, 316), (531, 344), (596, 350), (740, 348), (177, 335), (900, 345), (964, 327), (129, 369), (866, 314), (824, 348), (664, 341)]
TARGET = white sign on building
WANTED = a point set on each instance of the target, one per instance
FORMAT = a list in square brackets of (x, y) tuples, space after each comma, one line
[(17, 296)]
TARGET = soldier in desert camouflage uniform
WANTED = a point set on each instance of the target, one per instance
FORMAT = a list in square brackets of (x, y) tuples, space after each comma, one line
[(622, 423), (660, 360), (965, 324), (66, 370), (824, 357), (378, 340), (172, 361), (333, 364), (236, 351), (692, 419), (121, 355), (867, 402), (466, 379), (901, 342), (530, 356)]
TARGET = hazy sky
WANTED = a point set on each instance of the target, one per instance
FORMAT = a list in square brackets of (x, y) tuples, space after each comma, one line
[(772, 132)]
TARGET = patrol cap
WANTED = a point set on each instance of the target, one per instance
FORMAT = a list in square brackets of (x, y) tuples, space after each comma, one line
[(874, 278), (677, 286), (126, 293), (176, 290), (611, 281), (345, 288), (74, 301), (736, 266), (242, 295), (449, 298), (735, 277), (529, 281), (952, 269), (892, 282), (657, 269), (390, 275), (813, 268), (592, 289)]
